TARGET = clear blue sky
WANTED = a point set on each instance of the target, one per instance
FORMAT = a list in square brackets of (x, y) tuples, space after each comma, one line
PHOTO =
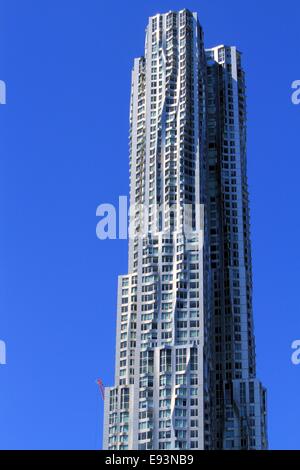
[(64, 150)]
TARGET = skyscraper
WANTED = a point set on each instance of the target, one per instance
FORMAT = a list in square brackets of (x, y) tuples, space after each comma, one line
[(239, 400), (185, 356)]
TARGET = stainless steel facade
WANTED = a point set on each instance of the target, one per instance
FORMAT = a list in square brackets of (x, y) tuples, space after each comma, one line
[(239, 400), (185, 355)]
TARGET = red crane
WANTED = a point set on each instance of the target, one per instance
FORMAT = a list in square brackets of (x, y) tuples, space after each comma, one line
[(101, 387)]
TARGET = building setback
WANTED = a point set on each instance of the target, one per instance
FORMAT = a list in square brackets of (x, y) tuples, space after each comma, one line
[(185, 356)]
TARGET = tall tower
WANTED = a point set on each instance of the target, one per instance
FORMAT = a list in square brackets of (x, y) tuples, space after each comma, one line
[(185, 360), (239, 400)]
